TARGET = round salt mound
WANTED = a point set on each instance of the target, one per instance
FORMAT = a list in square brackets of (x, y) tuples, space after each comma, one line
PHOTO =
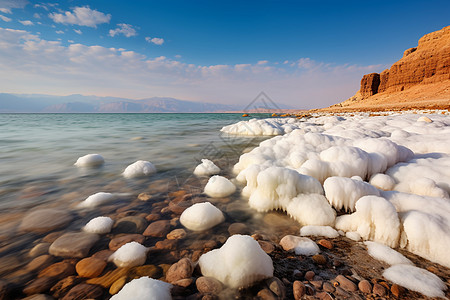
[(99, 225), (238, 263), (140, 168), (201, 216), (129, 255), (90, 160), (206, 168), (219, 186), (96, 200), (144, 288)]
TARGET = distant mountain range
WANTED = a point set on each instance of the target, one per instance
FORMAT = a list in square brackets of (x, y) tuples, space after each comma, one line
[(35, 103)]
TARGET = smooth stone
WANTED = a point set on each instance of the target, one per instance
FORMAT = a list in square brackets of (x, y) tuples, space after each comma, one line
[(145, 270), (178, 207), (299, 290), (109, 278), (177, 234), (180, 270), (117, 285), (341, 292), (324, 296), (397, 290), (325, 243), (266, 294), (40, 262), (39, 249), (144, 196), (4, 289), (39, 285), (152, 217), (64, 285), (158, 229), (346, 283), (166, 245), (208, 285), (238, 228), (51, 237), (84, 291), (118, 242), (45, 220), (328, 287), (309, 275), (130, 224), (268, 247), (103, 254), (76, 244), (289, 242), (277, 287), (90, 267), (319, 259), (184, 282), (58, 270), (38, 297), (317, 283), (365, 286), (379, 290)]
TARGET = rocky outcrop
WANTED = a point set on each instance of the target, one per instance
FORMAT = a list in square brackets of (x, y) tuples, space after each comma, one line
[(423, 73)]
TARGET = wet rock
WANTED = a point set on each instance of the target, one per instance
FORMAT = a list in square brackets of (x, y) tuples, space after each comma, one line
[(379, 290), (166, 245), (45, 220), (317, 283), (341, 292), (38, 297), (130, 224), (319, 259), (103, 254), (178, 207), (180, 270), (118, 242), (268, 247), (39, 249), (109, 277), (328, 287), (51, 237), (90, 267), (58, 270), (209, 285), (277, 287), (4, 290), (39, 285), (152, 217), (325, 243), (365, 286), (177, 234), (117, 285), (84, 291), (75, 244), (40, 262), (266, 294), (346, 283), (144, 196), (238, 228), (397, 290), (309, 275), (64, 285), (299, 290), (146, 270), (158, 229)]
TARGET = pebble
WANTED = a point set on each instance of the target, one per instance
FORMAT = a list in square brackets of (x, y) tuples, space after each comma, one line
[(144, 196), (325, 243), (379, 290), (51, 237), (177, 234), (45, 220), (39, 285), (39, 297), (317, 283), (346, 283), (397, 290), (40, 262), (319, 259), (152, 217), (118, 285), (64, 285), (178, 207), (90, 267), (277, 287), (166, 245), (268, 247), (109, 277), (184, 282), (324, 296), (341, 292), (328, 287), (76, 244), (309, 275), (84, 291), (158, 229), (299, 289), (180, 270), (266, 294), (103, 254), (118, 242), (238, 228), (145, 270), (58, 270), (208, 285), (130, 224), (39, 249), (365, 286)]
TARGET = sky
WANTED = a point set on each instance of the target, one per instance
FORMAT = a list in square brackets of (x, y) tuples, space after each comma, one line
[(304, 54)]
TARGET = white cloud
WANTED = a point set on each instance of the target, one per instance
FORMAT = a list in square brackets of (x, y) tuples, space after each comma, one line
[(59, 32), (155, 40), (83, 16), (178, 56), (6, 19), (125, 29), (26, 23), (34, 65), (78, 31), (7, 5), (263, 62), (37, 16), (5, 10)]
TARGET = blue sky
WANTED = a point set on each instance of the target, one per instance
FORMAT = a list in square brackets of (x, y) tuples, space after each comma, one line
[(302, 53)]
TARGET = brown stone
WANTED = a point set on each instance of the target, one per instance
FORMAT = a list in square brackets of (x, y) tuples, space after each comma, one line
[(144, 196), (319, 259), (158, 229), (118, 242), (109, 277), (64, 285), (309, 275), (324, 296), (328, 287), (90, 267), (40, 285), (180, 270), (178, 207), (51, 237), (117, 285), (103, 254), (146, 270), (38, 297), (238, 228), (369, 85), (397, 290), (40, 262), (208, 285), (379, 290), (268, 247), (39, 249), (299, 290), (365, 286), (166, 245), (152, 217), (346, 283), (76, 244), (130, 224), (45, 220), (84, 291), (277, 287), (58, 270), (266, 294), (184, 282), (177, 234), (325, 243)]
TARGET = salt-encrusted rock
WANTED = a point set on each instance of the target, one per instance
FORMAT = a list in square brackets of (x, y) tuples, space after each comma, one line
[(201, 216), (208, 285), (219, 186), (84, 291), (45, 220), (140, 168), (176, 234), (158, 229), (119, 241), (58, 270), (206, 168), (365, 286), (180, 270), (346, 283), (97, 199), (130, 224), (99, 225), (299, 290), (300, 245), (129, 255), (76, 244), (90, 267), (144, 288), (90, 160)]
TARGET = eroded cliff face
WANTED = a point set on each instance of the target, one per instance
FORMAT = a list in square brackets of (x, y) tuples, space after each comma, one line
[(420, 68)]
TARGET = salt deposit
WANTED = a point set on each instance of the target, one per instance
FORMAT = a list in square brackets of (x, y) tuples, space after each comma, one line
[(274, 126), (382, 181), (144, 288), (129, 255), (300, 245), (97, 200), (90, 160), (416, 279), (326, 231), (219, 186), (99, 225), (201, 216), (384, 253), (140, 168), (238, 263), (206, 168)]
